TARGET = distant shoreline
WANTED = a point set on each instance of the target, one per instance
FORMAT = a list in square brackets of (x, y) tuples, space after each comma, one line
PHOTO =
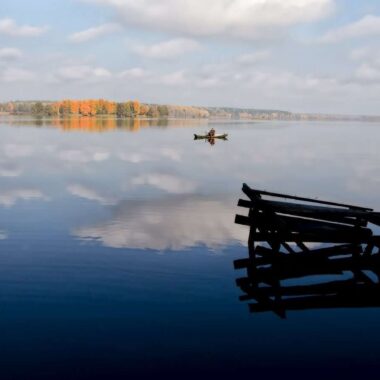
[(134, 109)]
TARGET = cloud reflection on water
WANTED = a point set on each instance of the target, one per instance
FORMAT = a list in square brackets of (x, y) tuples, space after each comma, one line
[(85, 192), (9, 198), (9, 169), (173, 223), (167, 191), (166, 182)]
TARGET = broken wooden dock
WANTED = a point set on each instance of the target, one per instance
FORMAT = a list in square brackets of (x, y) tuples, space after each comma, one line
[(300, 237)]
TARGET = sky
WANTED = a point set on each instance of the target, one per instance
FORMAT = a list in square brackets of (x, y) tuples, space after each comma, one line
[(296, 55)]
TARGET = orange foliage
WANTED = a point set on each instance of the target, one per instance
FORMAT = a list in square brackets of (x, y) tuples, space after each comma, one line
[(74, 107), (92, 107), (85, 108), (144, 109), (136, 107)]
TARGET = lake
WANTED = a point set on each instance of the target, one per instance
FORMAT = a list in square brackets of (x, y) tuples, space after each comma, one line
[(117, 242)]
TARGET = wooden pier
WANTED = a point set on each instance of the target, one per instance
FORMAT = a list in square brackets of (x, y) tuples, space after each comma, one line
[(295, 238)]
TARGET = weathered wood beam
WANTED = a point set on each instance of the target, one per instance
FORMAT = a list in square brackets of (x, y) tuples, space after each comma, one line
[(317, 235), (338, 215), (253, 193)]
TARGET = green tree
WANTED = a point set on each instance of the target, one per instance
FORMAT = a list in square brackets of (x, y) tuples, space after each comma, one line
[(38, 109), (153, 111), (163, 111)]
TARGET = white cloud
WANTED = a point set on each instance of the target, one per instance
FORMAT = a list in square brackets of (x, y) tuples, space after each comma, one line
[(9, 27), (232, 72), (138, 157), (82, 73), (166, 182), (167, 49), (91, 33), (134, 158), (90, 194), (134, 73), (177, 78), (361, 53), (11, 74), (253, 58), (10, 54), (368, 70), (10, 197), (3, 235), (18, 150), (169, 224), (368, 73), (172, 153), (246, 19), (365, 27), (83, 156)]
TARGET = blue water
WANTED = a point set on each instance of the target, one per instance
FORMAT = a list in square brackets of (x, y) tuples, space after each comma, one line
[(117, 249)]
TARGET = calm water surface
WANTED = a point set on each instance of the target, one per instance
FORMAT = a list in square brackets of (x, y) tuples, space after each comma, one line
[(117, 241)]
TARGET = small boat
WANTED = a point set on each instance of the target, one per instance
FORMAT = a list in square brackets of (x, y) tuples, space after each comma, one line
[(206, 136)]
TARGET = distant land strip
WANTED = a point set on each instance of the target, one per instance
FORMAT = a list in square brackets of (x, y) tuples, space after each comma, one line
[(135, 109)]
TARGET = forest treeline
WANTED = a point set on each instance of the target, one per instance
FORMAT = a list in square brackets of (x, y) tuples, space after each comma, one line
[(98, 107), (86, 107), (135, 109)]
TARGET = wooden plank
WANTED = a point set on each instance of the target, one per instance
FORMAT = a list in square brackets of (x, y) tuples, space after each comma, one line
[(305, 225), (288, 207), (243, 263), (272, 220), (344, 216), (254, 193), (246, 203), (374, 218), (243, 220), (315, 235)]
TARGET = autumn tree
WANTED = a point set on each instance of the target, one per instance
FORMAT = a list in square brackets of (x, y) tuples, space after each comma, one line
[(93, 106), (38, 109), (74, 107), (136, 107), (125, 109), (10, 107), (153, 111), (85, 108), (51, 109), (144, 109), (110, 108), (65, 107)]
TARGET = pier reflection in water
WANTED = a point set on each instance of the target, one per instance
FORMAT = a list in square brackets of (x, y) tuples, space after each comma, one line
[(286, 271)]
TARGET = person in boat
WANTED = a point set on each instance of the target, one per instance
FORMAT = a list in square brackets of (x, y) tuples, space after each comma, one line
[(211, 134)]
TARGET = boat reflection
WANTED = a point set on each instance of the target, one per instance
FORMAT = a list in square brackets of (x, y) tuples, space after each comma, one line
[(285, 270)]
